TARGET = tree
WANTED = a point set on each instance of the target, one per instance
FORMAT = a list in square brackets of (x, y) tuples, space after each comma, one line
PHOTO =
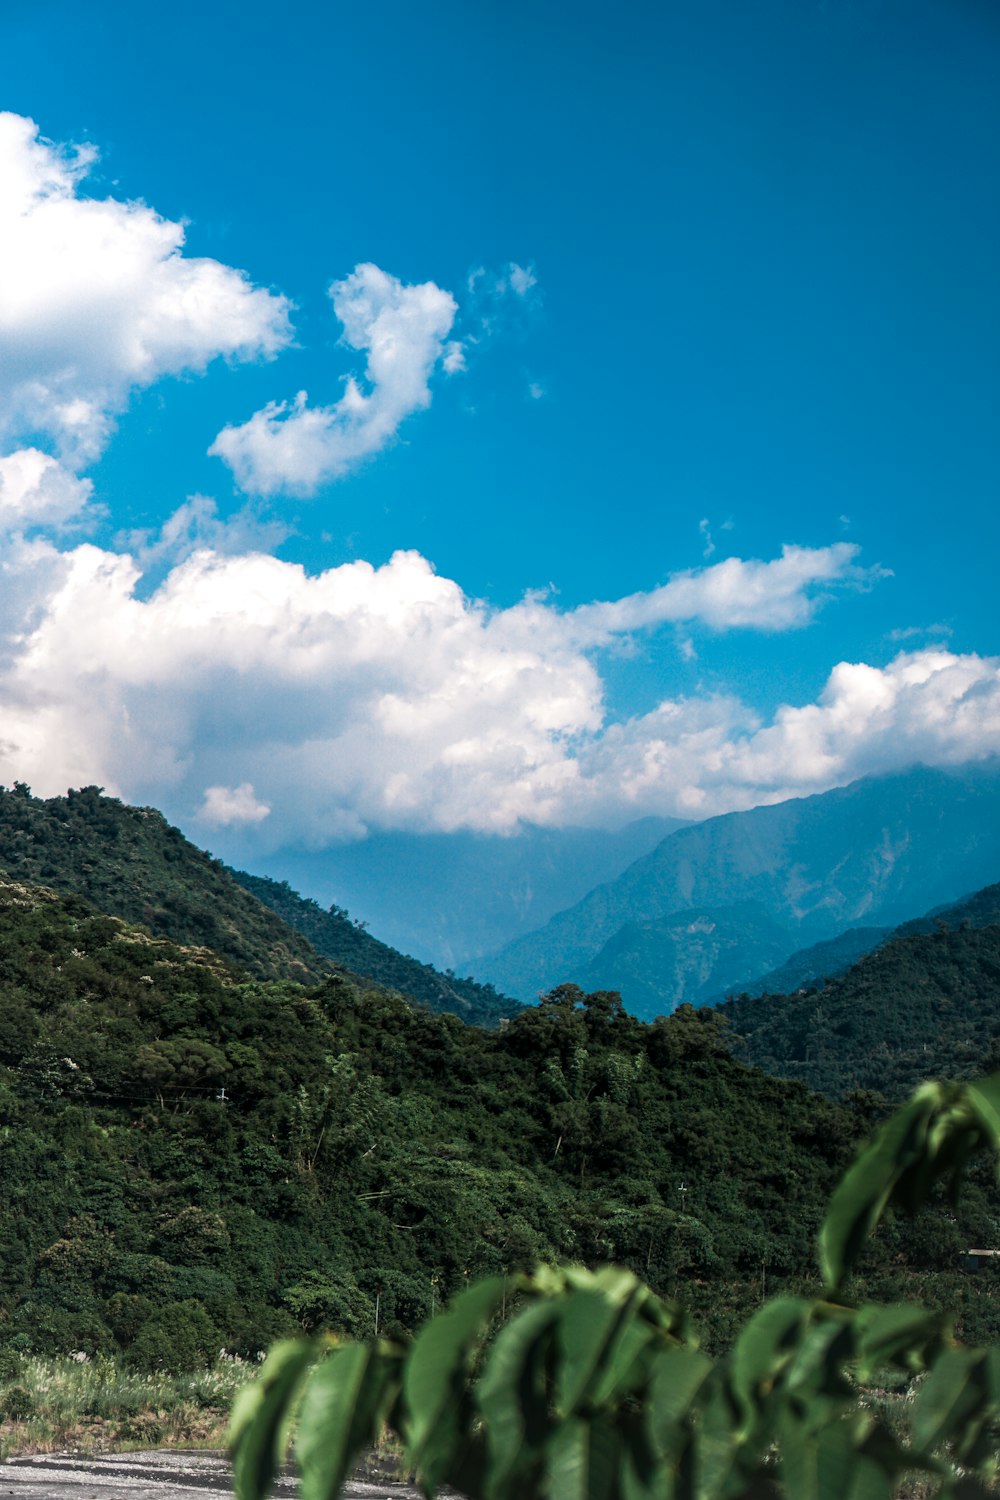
[(595, 1389)]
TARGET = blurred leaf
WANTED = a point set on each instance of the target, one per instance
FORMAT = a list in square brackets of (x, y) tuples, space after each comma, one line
[(262, 1417), (342, 1413)]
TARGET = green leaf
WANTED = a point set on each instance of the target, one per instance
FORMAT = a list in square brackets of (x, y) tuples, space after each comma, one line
[(764, 1349), (262, 1417), (582, 1460), (899, 1333), (862, 1194), (984, 1097), (511, 1393), (588, 1320), (626, 1365), (436, 1401), (679, 1376), (715, 1444), (439, 1357), (342, 1413), (946, 1399)]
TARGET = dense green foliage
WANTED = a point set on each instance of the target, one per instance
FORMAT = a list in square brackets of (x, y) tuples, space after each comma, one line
[(362, 1147), (921, 1005), (333, 934), (595, 1389), (369, 1157), (129, 862), (199, 1152)]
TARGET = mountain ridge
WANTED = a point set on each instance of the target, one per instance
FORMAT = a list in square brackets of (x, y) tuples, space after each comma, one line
[(871, 852)]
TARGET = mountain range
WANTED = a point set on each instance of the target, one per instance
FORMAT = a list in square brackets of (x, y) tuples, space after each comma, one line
[(446, 897), (719, 903)]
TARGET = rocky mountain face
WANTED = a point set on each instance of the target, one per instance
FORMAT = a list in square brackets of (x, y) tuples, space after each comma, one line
[(870, 854)]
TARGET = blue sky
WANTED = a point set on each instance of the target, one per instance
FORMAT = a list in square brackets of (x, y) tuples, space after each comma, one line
[(711, 280)]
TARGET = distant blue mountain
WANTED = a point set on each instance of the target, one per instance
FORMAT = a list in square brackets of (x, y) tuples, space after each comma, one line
[(870, 854), (444, 897)]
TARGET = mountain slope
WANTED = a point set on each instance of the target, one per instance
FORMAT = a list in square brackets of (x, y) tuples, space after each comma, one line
[(191, 1159), (444, 897), (129, 862), (924, 1004), (867, 854), (693, 953), (810, 966), (335, 936)]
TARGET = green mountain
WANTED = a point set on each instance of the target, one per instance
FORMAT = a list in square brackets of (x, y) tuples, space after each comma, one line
[(924, 1004), (194, 1160), (807, 966), (810, 966), (335, 936), (200, 1152), (868, 854), (129, 862), (691, 953)]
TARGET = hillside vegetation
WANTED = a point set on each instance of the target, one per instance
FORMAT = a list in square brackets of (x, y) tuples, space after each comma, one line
[(129, 862), (335, 936), (923, 1005), (199, 1152)]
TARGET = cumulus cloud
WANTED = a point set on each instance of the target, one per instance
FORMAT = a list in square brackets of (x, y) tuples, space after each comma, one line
[(97, 298), (699, 757), (35, 490), (778, 595), (252, 694), (293, 447), (225, 805)]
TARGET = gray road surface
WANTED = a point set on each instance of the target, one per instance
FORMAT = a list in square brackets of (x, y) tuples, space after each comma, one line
[(151, 1476)]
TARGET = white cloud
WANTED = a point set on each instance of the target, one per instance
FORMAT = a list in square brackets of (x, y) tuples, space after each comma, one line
[(294, 447), (196, 526), (35, 490), (385, 697), (97, 298), (776, 595), (708, 756), (225, 805)]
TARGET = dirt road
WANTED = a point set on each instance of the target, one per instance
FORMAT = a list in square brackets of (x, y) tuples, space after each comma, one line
[(150, 1476)]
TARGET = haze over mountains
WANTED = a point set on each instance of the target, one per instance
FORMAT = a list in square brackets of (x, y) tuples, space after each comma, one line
[(719, 903), (446, 897)]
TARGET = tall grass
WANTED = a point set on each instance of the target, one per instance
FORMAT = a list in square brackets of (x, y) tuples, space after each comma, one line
[(60, 1405)]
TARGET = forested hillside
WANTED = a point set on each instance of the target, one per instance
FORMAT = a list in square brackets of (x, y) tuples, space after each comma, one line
[(192, 1160), (335, 936), (129, 862), (925, 1005)]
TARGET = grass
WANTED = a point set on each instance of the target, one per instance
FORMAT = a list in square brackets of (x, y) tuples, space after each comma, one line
[(61, 1405)]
